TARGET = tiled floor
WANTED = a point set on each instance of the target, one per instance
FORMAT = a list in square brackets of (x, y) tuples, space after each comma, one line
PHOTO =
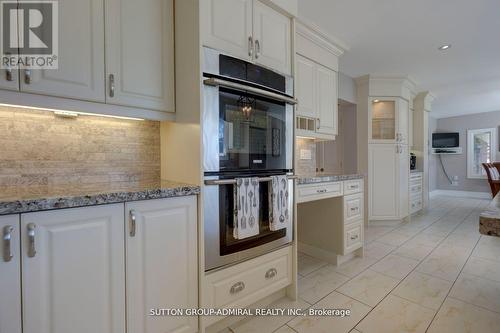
[(434, 274)]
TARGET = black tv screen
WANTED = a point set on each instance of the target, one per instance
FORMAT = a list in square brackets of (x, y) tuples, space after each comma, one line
[(445, 140)]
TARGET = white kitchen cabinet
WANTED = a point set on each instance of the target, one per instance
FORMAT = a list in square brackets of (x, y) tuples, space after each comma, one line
[(217, 16), (327, 101), (73, 270), (272, 38), (305, 83), (257, 32), (10, 273), (80, 72), (388, 181), (388, 120), (162, 264), (140, 54)]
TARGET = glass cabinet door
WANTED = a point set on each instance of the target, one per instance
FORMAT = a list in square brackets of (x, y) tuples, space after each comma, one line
[(383, 119)]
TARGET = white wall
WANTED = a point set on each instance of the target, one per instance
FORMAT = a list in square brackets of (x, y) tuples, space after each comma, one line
[(347, 88), (433, 162), (456, 165)]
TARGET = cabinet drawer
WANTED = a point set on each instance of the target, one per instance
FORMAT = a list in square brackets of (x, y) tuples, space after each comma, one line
[(353, 207), (246, 283), (312, 192), (415, 188), (353, 237), (416, 204), (353, 186)]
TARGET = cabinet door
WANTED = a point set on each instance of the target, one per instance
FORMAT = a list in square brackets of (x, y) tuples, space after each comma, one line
[(226, 25), (327, 100), (74, 270), (162, 265), (140, 53), (383, 174), (383, 120), (272, 35), (306, 87), (81, 55), (403, 120), (403, 195), (10, 273)]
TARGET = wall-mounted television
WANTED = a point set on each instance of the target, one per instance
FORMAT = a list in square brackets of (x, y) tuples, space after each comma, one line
[(445, 140)]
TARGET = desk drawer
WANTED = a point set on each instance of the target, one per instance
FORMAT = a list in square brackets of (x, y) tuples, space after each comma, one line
[(353, 208), (415, 188), (353, 237), (246, 283), (416, 204), (312, 192), (353, 186)]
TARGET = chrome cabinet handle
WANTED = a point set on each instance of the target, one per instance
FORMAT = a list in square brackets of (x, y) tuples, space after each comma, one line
[(7, 238), (257, 49), (354, 209), (27, 76), (354, 237), (237, 287), (111, 85), (318, 123), (321, 191), (132, 223), (250, 46), (8, 74), (271, 273), (31, 240)]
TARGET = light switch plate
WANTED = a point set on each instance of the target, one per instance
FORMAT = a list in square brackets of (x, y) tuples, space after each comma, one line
[(305, 154)]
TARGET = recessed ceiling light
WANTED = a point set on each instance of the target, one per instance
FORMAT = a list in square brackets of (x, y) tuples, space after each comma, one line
[(444, 47), (376, 101)]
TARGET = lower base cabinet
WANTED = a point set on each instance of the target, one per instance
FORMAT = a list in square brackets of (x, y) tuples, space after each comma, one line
[(100, 269)]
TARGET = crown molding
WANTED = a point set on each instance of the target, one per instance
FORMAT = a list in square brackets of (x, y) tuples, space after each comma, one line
[(316, 35)]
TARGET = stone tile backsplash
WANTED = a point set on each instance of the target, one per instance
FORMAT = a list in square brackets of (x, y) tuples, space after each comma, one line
[(44, 152), (305, 167)]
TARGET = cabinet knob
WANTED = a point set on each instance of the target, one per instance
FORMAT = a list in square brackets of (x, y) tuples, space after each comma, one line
[(7, 238), (31, 240), (271, 273)]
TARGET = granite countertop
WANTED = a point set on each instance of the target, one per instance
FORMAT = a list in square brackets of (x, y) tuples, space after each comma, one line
[(27, 201), (322, 178), (489, 220)]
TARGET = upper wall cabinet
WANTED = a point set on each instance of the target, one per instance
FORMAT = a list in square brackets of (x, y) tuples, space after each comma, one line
[(257, 32), (316, 82), (139, 53), (389, 120), (80, 70)]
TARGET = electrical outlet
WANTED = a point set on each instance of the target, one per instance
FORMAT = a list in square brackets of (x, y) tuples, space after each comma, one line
[(454, 181), (305, 154)]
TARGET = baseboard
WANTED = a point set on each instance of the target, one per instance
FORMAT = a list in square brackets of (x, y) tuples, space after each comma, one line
[(461, 194), (316, 252)]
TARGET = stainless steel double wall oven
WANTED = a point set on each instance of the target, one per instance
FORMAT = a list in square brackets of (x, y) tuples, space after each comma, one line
[(247, 128)]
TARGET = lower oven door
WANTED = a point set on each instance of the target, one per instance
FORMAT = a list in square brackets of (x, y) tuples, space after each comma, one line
[(221, 248)]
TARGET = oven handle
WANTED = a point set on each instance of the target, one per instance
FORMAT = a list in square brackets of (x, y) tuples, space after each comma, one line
[(213, 81), (233, 181)]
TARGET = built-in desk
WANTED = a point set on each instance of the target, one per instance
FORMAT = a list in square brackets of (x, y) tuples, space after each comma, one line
[(330, 217)]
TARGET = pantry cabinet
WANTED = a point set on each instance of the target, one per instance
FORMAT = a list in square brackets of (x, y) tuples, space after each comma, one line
[(100, 268), (258, 33), (388, 120), (162, 265), (73, 270), (140, 53), (10, 273), (80, 69)]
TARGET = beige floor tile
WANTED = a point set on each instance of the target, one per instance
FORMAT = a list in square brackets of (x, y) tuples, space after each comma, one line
[(411, 251), (284, 329), (444, 267), (394, 238), (369, 287), (395, 266), (485, 268), (309, 324), (488, 248), (269, 324), (308, 264), (478, 291), (423, 239), (456, 316), (378, 250), (424, 290), (396, 315), (355, 266), (320, 283)]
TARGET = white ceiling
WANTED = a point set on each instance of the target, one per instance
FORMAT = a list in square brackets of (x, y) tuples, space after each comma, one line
[(402, 37)]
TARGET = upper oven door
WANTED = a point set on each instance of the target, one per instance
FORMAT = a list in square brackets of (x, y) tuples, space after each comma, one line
[(244, 131)]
